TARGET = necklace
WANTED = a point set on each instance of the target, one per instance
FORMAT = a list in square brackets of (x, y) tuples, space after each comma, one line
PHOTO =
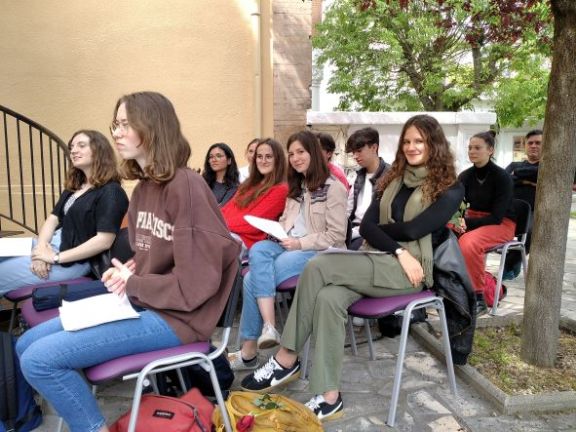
[(479, 180)]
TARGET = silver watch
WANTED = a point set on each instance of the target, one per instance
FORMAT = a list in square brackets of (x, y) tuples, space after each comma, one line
[(399, 251), (56, 258)]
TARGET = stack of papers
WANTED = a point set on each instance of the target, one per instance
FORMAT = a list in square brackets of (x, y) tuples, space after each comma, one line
[(96, 310)]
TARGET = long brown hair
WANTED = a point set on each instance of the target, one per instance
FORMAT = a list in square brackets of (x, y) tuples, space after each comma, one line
[(104, 164), (257, 184), (440, 163), (316, 174), (153, 117)]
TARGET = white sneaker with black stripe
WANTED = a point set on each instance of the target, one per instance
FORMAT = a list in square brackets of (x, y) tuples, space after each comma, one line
[(324, 410), (270, 375)]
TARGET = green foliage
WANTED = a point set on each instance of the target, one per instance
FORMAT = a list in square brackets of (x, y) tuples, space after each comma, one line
[(438, 55)]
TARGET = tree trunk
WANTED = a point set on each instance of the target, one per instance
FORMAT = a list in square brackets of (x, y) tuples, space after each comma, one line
[(553, 196)]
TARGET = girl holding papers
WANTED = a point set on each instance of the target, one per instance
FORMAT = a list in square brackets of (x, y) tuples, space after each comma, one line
[(315, 219), (263, 193), (175, 228), (84, 222)]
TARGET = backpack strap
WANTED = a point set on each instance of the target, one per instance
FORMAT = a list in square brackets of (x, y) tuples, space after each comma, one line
[(8, 396)]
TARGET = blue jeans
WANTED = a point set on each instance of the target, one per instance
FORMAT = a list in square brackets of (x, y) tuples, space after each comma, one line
[(270, 265), (15, 271), (50, 358)]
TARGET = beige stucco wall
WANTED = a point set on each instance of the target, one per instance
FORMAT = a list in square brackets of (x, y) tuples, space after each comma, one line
[(64, 63), (234, 69)]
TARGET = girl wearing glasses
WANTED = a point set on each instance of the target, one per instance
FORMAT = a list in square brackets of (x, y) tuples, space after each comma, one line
[(315, 219), (221, 172), (175, 229), (262, 194), (84, 222)]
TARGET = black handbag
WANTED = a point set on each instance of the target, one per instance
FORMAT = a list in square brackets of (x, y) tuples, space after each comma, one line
[(51, 297)]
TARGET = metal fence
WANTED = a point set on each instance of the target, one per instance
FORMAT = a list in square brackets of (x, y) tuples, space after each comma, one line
[(33, 165)]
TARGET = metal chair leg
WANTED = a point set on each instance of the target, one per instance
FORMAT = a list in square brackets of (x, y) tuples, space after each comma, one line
[(499, 280), (352, 336), (399, 366), (369, 337), (439, 306), (524, 264)]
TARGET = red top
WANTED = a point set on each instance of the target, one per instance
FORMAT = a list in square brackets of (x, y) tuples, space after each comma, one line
[(268, 206), (339, 174)]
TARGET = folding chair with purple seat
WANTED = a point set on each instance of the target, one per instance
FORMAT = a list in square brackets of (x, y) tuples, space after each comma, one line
[(18, 295), (142, 365), (32, 317), (373, 308)]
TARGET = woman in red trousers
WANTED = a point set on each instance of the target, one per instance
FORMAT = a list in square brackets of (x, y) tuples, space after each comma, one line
[(490, 218)]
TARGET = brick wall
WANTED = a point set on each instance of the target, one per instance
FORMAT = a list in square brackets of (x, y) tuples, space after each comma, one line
[(292, 64)]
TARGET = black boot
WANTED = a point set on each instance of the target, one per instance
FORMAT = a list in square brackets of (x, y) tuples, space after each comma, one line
[(481, 307)]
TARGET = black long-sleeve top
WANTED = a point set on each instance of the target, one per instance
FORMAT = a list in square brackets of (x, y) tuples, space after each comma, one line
[(520, 172), (431, 221), (488, 189)]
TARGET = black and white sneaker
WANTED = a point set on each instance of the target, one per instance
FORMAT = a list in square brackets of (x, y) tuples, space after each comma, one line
[(324, 410), (270, 375)]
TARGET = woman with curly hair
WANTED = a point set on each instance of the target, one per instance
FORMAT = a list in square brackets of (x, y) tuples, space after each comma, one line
[(407, 219), (221, 172), (262, 194), (83, 223)]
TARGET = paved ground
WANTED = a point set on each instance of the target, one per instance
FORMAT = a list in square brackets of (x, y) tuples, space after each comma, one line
[(426, 404)]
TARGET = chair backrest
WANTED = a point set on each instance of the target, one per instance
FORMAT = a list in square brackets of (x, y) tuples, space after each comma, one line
[(227, 317), (121, 249), (523, 216)]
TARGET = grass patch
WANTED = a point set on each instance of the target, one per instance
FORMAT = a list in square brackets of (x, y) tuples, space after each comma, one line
[(573, 215), (496, 355)]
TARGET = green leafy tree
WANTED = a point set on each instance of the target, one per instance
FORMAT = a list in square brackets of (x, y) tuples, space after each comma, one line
[(438, 55)]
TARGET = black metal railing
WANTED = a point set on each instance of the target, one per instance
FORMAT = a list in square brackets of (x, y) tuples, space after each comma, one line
[(33, 165)]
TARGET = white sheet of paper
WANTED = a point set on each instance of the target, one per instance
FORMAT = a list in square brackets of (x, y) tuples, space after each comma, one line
[(15, 246), (268, 226), (96, 310), (333, 250)]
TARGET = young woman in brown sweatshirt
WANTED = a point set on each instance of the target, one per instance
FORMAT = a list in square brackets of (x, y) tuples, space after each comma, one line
[(175, 228)]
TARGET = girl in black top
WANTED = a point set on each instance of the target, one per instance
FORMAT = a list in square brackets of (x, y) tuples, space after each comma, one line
[(489, 219), (84, 222), (221, 172)]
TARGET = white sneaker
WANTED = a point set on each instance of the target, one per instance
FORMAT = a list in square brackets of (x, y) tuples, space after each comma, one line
[(269, 337), (237, 363), (358, 322)]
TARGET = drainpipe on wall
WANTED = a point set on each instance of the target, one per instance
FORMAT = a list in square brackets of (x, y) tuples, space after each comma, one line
[(257, 70)]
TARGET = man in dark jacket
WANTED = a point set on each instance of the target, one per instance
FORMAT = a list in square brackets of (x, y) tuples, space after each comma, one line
[(363, 144)]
